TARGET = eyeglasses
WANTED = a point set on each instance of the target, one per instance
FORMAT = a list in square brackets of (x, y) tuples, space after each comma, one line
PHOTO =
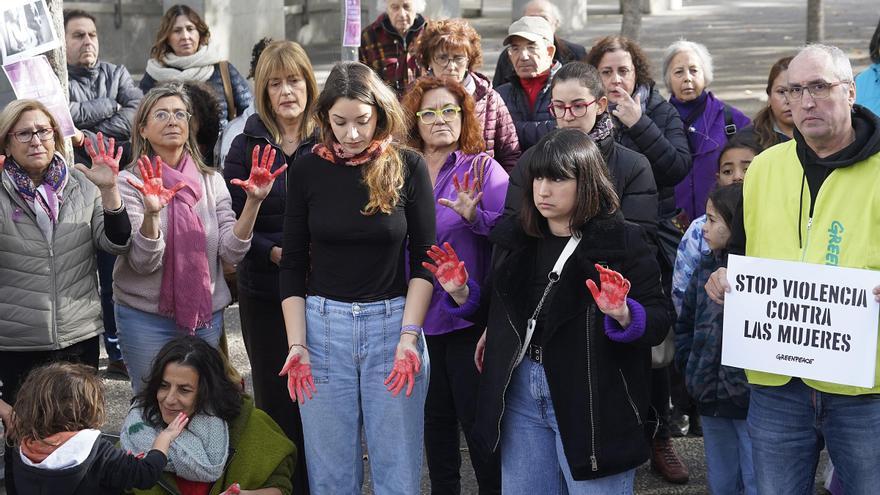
[(577, 110), (517, 50), (429, 116), (818, 90), (164, 115), (25, 137), (458, 60)]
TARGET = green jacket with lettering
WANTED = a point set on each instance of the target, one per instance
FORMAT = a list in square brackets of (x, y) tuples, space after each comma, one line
[(844, 229)]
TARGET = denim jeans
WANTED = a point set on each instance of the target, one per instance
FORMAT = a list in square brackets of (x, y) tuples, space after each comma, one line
[(105, 282), (790, 424), (352, 348), (532, 456), (728, 448), (142, 335)]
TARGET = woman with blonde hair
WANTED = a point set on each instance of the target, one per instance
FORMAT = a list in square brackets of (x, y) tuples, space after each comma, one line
[(171, 280), (181, 53), (285, 91), (52, 219), (352, 308)]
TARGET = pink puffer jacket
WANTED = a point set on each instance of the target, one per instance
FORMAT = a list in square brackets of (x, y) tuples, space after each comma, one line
[(498, 129)]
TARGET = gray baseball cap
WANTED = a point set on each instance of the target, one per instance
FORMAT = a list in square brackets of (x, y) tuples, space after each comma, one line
[(531, 28)]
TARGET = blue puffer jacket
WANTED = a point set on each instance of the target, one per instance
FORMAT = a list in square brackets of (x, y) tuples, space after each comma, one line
[(719, 390), (241, 92), (531, 123)]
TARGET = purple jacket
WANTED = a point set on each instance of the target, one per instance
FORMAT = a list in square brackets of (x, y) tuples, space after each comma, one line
[(706, 138), (471, 241), (502, 144)]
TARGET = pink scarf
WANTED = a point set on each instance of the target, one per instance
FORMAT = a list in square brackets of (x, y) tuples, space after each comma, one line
[(186, 280)]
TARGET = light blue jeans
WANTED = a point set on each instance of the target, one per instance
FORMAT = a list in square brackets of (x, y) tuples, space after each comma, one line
[(142, 335), (791, 423), (728, 450), (532, 457), (352, 348)]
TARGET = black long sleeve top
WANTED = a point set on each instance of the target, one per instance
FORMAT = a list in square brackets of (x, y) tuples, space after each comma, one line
[(331, 249)]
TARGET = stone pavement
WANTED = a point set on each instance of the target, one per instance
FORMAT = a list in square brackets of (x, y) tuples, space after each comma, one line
[(744, 36)]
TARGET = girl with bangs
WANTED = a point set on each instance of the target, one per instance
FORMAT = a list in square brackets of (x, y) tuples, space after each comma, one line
[(554, 347), (355, 207)]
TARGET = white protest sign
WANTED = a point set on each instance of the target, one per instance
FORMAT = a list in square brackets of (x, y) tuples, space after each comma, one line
[(801, 319)]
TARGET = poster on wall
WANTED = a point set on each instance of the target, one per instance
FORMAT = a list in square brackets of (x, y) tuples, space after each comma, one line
[(352, 35), (33, 78), (27, 30), (801, 319)]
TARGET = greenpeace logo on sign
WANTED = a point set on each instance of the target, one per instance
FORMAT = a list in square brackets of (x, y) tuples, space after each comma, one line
[(835, 237), (795, 359)]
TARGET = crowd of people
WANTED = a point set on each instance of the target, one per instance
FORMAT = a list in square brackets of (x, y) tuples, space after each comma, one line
[(534, 259)]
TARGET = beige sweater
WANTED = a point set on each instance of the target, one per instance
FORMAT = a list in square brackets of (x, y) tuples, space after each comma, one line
[(137, 276)]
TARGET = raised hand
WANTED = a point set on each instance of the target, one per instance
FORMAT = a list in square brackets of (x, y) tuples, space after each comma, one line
[(176, 427), (234, 489), (467, 197), (611, 298), (300, 383), (628, 110), (105, 165), (448, 269), (406, 365), (261, 179), (156, 195)]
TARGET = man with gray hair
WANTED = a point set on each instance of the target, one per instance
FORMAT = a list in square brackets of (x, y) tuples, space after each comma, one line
[(566, 51), (831, 170), (388, 44)]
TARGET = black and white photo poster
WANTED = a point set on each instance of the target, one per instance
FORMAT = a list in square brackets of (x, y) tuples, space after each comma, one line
[(26, 30)]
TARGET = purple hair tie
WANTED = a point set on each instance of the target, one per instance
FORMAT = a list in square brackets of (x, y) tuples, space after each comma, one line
[(636, 326), (468, 308)]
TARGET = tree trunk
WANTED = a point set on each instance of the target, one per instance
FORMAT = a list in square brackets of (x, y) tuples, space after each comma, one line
[(815, 22), (631, 25), (58, 57)]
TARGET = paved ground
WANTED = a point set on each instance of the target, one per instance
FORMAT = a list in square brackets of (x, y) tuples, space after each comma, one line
[(744, 36)]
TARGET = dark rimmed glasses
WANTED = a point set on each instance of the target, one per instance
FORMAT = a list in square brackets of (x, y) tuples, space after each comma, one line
[(25, 137), (578, 110)]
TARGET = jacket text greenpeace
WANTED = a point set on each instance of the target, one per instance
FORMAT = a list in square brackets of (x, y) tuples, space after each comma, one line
[(841, 228)]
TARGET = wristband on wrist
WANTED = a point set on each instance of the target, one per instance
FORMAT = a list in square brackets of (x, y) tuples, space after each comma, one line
[(297, 345), (414, 330)]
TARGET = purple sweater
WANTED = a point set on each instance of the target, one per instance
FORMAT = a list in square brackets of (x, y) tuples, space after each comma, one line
[(470, 240), (706, 138)]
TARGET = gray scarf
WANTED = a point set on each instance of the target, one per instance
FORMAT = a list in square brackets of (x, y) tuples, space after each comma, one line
[(198, 454)]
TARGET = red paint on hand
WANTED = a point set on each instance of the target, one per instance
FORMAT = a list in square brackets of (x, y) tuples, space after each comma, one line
[(403, 374), (614, 289), (151, 175), (447, 267), (300, 382), (261, 177)]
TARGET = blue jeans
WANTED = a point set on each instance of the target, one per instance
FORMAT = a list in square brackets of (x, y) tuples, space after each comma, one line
[(728, 456), (789, 426), (351, 349), (105, 282), (532, 457), (142, 335)]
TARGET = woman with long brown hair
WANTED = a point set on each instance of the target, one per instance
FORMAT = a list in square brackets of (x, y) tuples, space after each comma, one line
[(353, 315)]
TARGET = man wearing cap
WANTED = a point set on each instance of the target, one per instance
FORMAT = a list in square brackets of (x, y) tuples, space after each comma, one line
[(530, 47)]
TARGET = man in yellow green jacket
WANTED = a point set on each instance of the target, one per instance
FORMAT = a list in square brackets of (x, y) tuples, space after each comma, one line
[(816, 199)]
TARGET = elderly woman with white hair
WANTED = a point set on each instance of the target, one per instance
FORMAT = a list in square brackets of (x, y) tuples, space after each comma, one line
[(388, 45), (709, 122)]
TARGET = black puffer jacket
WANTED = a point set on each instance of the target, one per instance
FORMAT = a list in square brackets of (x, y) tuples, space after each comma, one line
[(257, 274), (660, 136), (103, 99), (630, 174), (531, 123), (599, 388)]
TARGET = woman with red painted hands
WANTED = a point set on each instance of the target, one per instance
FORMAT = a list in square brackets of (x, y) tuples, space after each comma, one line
[(565, 368), (171, 280), (353, 315), (52, 219)]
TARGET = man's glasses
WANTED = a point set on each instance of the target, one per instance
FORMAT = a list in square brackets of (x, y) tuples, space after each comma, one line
[(429, 116), (25, 137), (818, 90), (517, 50), (577, 110)]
